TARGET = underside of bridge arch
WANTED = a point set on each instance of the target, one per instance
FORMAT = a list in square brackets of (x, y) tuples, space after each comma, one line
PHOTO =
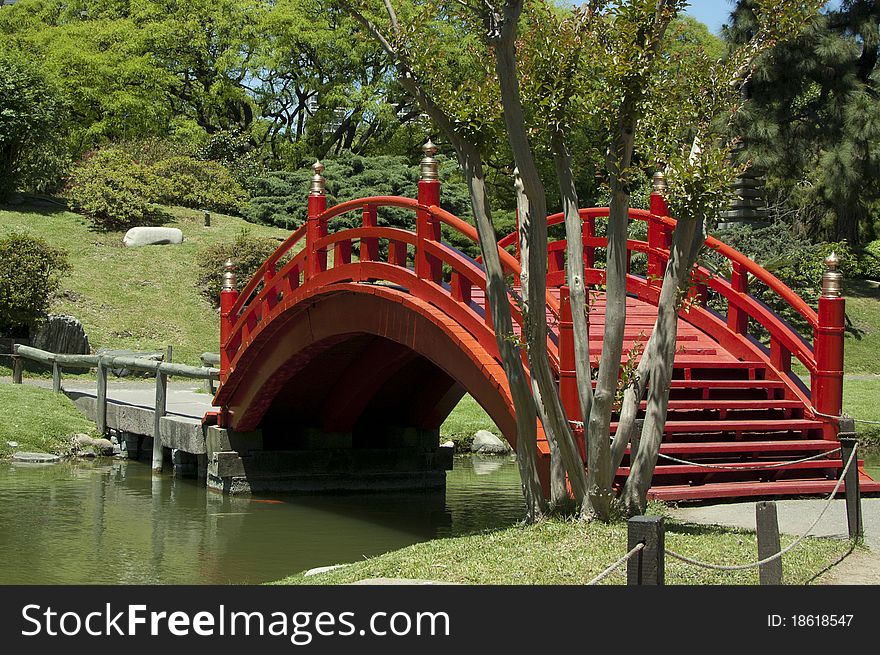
[(349, 388)]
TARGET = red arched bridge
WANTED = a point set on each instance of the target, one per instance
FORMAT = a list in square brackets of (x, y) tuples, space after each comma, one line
[(337, 370)]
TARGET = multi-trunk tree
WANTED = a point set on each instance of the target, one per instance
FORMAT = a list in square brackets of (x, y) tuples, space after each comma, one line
[(536, 75)]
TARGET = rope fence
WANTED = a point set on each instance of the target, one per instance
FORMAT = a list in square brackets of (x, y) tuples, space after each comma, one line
[(791, 546), (750, 467), (611, 569)]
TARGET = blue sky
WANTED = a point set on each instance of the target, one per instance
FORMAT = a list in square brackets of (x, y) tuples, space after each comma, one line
[(716, 12), (712, 12)]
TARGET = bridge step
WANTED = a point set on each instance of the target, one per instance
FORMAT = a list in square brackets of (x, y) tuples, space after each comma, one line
[(739, 426), (786, 488), (718, 448), (821, 465)]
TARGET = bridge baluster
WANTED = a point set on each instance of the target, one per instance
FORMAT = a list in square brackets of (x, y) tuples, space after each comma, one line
[(588, 231), (428, 267), (342, 253), (397, 253), (827, 383), (461, 287), (369, 245), (316, 259), (568, 390), (737, 319)]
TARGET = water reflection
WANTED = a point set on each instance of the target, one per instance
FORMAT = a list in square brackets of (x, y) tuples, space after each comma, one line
[(114, 522)]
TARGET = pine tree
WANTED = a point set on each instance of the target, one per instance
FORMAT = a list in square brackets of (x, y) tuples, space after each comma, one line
[(813, 120)]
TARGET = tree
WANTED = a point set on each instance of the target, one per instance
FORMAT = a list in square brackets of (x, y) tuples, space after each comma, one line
[(30, 274), (601, 66), (817, 133), (31, 115)]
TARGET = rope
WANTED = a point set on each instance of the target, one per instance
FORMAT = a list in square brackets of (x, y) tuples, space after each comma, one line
[(797, 542), (616, 565), (753, 467), (837, 418)]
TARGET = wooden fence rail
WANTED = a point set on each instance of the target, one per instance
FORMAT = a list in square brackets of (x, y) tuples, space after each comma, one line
[(161, 368)]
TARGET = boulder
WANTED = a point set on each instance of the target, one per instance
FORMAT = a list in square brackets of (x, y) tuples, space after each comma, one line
[(86, 446), (36, 458), (62, 334), (487, 443), (152, 236)]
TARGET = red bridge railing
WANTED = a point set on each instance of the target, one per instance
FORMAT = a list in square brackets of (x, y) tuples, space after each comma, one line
[(312, 258)]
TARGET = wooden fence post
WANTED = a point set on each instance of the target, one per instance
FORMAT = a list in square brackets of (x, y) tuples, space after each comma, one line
[(56, 377), (17, 366), (849, 444), (101, 400), (158, 413), (767, 527), (647, 567)]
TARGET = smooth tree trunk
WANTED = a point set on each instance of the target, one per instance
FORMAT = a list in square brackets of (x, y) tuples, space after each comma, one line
[(496, 286), (534, 224), (558, 477), (660, 357), (574, 272)]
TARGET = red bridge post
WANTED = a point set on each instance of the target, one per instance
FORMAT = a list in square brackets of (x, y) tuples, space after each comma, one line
[(827, 384), (316, 260), (228, 298), (568, 389), (659, 236), (427, 228)]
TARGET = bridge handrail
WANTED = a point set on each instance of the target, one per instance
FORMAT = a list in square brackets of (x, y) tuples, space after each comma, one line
[(510, 264), (774, 283)]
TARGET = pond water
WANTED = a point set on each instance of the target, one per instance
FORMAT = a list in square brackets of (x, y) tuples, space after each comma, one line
[(113, 522), (108, 522)]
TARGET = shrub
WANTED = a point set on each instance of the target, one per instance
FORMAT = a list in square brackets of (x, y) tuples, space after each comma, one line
[(113, 190), (31, 114), (871, 260), (279, 198), (189, 182), (30, 274), (246, 250)]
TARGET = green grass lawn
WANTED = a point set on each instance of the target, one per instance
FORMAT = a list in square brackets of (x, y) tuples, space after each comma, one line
[(861, 400), (136, 298), (862, 343), (38, 419), (569, 552)]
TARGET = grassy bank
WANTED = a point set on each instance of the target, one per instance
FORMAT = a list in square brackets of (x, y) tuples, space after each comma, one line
[(38, 419), (568, 552), (861, 399), (863, 339), (138, 298)]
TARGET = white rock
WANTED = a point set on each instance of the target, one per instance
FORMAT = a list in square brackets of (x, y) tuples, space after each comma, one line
[(152, 236), (36, 458), (324, 569), (448, 444), (12, 444), (488, 444)]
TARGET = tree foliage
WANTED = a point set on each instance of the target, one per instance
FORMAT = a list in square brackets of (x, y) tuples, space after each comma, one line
[(32, 113), (30, 274), (813, 120)]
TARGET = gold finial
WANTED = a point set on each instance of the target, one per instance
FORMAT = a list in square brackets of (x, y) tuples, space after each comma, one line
[(229, 281), (317, 188), (832, 279), (428, 167), (659, 181)]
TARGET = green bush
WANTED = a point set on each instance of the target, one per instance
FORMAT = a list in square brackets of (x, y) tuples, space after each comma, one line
[(871, 260), (247, 251), (113, 190), (280, 198), (32, 114), (190, 182), (30, 274)]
